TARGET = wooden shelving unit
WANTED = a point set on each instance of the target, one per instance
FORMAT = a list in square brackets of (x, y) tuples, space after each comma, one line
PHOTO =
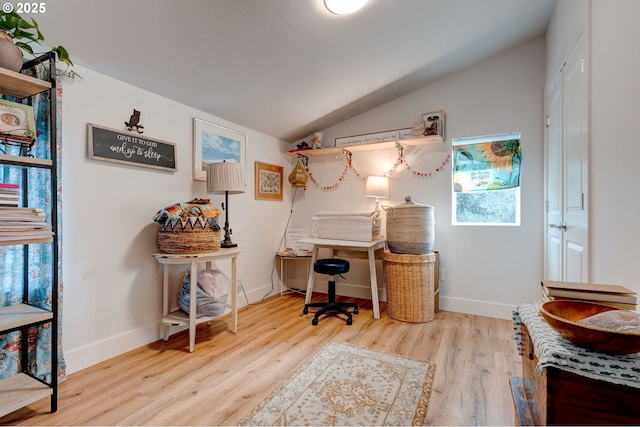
[(331, 151), (24, 388), (20, 85), (8, 159)]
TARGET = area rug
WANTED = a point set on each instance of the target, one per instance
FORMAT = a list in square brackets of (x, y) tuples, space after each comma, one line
[(347, 385)]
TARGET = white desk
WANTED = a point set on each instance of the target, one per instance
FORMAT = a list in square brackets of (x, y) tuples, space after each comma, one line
[(369, 247), (179, 317)]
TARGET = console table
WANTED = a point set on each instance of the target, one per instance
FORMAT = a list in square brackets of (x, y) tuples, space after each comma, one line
[(178, 317), (369, 247)]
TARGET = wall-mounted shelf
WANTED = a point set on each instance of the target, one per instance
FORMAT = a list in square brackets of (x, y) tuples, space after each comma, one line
[(435, 139)]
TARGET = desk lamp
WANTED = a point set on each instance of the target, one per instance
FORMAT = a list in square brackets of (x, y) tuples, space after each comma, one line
[(225, 178), (378, 187)]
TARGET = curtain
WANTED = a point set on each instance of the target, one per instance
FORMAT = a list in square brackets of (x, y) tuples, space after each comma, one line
[(37, 261), (489, 163)]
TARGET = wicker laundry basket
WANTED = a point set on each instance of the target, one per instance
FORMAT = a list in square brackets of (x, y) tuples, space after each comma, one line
[(410, 286), (410, 228)]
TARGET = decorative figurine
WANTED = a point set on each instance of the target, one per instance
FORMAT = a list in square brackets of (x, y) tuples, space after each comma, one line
[(133, 122)]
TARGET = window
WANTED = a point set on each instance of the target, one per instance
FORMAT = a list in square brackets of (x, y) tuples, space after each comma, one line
[(486, 180)]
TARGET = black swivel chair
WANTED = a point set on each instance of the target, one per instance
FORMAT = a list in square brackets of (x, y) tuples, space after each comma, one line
[(331, 266)]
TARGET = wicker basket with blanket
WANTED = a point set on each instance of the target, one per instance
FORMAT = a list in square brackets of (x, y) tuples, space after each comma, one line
[(189, 227)]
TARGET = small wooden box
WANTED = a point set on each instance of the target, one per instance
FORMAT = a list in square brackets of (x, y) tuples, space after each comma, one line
[(561, 397)]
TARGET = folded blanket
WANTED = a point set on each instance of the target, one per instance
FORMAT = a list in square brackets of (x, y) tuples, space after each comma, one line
[(555, 351), (189, 214)]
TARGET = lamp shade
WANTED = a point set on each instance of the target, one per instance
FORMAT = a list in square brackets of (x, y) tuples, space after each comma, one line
[(224, 177), (377, 186)]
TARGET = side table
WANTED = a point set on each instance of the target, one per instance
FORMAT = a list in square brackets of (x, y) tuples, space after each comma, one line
[(178, 317), (285, 257)]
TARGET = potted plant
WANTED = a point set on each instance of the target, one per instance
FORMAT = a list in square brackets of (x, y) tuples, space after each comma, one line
[(17, 35)]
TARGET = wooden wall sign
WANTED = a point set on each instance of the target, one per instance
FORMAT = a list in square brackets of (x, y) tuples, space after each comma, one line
[(132, 149), (372, 138)]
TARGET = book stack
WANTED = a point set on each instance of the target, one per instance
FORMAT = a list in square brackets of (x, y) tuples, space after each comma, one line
[(612, 295), (20, 224), (9, 195)]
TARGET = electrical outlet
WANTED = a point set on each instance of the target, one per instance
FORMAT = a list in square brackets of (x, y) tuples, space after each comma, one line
[(441, 275)]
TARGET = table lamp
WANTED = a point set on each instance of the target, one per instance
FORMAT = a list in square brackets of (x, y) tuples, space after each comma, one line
[(378, 187), (225, 178)]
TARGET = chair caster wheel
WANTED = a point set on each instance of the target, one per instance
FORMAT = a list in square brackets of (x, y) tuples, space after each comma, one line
[(355, 310), (306, 310), (314, 322), (349, 322)]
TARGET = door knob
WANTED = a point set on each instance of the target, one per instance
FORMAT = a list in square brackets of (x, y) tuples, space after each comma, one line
[(559, 226)]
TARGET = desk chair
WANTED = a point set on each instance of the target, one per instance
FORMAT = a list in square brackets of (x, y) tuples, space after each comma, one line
[(331, 266)]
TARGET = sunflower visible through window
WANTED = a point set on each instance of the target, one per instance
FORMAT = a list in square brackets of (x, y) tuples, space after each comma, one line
[(486, 180)]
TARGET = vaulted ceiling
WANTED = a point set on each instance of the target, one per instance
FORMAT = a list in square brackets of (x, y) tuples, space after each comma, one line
[(286, 68)]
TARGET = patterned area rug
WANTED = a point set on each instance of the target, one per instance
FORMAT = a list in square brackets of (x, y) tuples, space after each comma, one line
[(347, 385)]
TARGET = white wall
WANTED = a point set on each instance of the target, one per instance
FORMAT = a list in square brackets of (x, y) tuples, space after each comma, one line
[(112, 284), (487, 270), (615, 105)]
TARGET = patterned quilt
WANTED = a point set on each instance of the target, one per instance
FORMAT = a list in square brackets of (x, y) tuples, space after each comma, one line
[(555, 351)]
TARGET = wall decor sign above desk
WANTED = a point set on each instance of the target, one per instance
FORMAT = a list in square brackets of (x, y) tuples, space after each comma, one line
[(430, 124), (130, 148), (373, 138)]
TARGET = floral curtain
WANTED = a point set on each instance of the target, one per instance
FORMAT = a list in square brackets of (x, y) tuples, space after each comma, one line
[(37, 260), (487, 165)]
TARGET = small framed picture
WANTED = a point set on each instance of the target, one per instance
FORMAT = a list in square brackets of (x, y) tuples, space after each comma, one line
[(213, 143), (17, 120), (434, 123), (268, 181)]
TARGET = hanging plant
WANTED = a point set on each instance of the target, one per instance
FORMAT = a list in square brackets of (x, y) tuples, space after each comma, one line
[(26, 35)]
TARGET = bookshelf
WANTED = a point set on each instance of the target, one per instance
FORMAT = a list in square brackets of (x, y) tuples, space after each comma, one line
[(25, 387)]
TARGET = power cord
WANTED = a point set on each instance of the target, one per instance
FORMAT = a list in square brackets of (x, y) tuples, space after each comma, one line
[(275, 257)]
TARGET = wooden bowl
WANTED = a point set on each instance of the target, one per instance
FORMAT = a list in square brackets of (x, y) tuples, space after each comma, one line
[(562, 315)]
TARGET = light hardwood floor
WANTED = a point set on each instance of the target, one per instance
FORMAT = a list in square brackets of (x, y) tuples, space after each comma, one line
[(228, 375)]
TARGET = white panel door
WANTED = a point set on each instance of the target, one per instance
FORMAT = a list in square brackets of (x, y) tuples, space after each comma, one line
[(575, 165), (566, 171), (553, 182)]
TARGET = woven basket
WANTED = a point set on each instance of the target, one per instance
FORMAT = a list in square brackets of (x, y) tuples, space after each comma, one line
[(410, 228), (410, 286), (192, 235), (188, 240)]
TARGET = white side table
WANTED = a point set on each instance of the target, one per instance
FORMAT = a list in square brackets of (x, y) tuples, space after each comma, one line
[(179, 317), (285, 257)]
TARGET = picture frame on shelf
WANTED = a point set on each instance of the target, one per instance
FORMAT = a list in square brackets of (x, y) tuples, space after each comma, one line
[(17, 121), (214, 143), (269, 180), (434, 123)]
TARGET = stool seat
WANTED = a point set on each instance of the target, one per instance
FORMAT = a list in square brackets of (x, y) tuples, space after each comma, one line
[(331, 266)]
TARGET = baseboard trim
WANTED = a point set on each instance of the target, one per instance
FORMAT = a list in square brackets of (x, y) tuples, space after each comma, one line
[(100, 351), (94, 353), (478, 308)]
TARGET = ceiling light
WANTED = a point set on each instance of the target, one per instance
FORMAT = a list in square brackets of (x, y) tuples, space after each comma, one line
[(344, 7)]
